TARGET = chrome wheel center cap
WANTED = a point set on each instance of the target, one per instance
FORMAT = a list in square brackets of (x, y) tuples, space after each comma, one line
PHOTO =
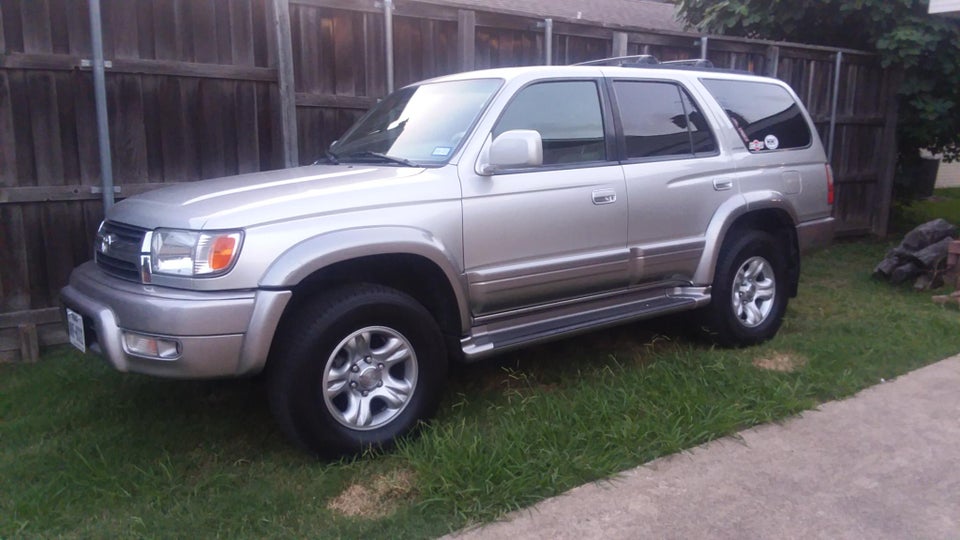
[(369, 378)]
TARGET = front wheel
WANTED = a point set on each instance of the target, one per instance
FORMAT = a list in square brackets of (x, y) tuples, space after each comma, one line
[(356, 369), (749, 293)]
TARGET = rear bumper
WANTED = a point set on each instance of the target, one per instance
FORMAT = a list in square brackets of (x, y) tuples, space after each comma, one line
[(219, 334), (816, 234)]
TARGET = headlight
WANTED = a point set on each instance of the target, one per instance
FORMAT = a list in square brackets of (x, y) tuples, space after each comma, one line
[(192, 253)]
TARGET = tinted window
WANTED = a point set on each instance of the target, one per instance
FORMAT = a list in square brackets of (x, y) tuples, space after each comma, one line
[(659, 120), (765, 115), (567, 115)]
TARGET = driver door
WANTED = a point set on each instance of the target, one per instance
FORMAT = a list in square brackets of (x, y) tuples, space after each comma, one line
[(556, 231)]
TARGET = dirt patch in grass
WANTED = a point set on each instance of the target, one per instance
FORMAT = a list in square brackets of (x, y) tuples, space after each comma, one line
[(777, 361), (377, 498)]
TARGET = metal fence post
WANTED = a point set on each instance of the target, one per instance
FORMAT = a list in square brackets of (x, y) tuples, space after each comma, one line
[(548, 40), (833, 105), (388, 32), (100, 97)]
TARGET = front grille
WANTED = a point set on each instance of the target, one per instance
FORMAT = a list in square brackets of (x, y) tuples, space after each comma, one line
[(118, 250)]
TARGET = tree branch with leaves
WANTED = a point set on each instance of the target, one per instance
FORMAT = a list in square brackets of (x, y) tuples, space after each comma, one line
[(926, 47)]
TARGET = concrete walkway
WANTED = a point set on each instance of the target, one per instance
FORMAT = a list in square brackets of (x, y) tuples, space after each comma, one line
[(883, 464)]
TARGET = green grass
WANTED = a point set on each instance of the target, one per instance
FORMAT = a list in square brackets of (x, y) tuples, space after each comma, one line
[(87, 452)]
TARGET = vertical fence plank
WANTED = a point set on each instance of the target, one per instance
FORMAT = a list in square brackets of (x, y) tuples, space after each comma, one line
[(466, 39), (45, 124), (619, 44), (120, 32), (172, 130), (204, 31), (889, 157), (59, 35), (248, 144), (3, 33), (14, 273), (153, 121), (85, 119), (223, 37), (146, 41), (78, 28), (35, 15), (288, 99), (69, 141), (128, 139), (165, 36), (12, 26), (8, 143), (241, 33)]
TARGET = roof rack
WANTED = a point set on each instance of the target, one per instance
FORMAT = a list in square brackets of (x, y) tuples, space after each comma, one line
[(649, 61), (633, 60), (692, 62)]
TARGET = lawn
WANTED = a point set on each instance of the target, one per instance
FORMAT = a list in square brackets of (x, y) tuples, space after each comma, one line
[(87, 452)]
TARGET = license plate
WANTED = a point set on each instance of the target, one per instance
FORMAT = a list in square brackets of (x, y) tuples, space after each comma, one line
[(75, 328)]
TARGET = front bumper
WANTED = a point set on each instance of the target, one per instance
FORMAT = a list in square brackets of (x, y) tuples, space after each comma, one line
[(221, 334)]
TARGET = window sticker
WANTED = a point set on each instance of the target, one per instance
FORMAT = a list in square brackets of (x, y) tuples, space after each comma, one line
[(772, 142), (756, 146), (441, 151)]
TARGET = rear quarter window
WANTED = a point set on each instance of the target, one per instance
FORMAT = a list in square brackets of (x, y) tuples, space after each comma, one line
[(765, 115)]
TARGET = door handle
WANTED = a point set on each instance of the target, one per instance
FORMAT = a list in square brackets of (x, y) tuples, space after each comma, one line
[(722, 184), (604, 196)]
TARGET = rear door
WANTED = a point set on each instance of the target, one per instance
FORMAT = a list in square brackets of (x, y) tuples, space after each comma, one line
[(676, 178)]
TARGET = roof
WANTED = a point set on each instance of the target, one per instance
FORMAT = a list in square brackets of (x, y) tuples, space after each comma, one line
[(646, 14)]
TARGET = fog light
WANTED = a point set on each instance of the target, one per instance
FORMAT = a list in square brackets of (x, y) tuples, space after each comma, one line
[(153, 347)]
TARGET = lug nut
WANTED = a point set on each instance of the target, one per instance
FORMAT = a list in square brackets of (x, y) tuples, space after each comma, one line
[(354, 368), (353, 384), (364, 393), (379, 366), (379, 384), (368, 359)]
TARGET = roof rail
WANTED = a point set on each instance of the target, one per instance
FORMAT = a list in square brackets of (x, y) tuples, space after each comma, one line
[(649, 61), (632, 60), (692, 62)]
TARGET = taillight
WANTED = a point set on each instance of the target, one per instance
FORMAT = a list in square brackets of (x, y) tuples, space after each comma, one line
[(829, 184)]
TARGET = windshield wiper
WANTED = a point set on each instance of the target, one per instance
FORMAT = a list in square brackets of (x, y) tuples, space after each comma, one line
[(384, 157)]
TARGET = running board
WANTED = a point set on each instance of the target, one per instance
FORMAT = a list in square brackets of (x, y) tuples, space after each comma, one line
[(528, 328)]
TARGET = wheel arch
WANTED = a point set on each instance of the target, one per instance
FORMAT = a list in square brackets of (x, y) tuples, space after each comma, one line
[(407, 259), (764, 211)]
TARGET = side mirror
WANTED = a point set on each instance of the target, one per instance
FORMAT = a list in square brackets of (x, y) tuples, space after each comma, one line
[(514, 149)]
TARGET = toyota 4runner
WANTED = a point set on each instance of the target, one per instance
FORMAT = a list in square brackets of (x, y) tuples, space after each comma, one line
[(461, 217)]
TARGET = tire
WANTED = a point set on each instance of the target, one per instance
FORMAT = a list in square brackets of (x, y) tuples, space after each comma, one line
[(356, 369), (750, 291)]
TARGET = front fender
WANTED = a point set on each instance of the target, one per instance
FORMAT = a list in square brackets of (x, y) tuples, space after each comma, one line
[(318, 252)]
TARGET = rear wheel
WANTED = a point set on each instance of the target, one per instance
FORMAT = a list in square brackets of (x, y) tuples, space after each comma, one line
[(749, 293), (356, 369)]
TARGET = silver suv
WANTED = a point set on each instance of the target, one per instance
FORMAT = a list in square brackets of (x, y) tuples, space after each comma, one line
[(461, 217)]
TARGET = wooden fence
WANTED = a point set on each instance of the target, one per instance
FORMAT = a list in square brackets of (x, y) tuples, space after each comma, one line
[(204, 88)]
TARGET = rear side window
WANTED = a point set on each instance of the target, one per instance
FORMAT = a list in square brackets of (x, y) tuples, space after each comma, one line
[(660, 120), (765, 115), (567, 116)]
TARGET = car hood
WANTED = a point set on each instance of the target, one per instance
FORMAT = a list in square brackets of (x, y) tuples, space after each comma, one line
[(251, 199)]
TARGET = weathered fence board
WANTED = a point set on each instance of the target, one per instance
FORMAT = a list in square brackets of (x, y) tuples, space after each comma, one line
[(194, 91)]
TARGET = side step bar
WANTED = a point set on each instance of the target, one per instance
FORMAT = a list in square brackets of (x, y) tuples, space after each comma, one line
[(528, 328)]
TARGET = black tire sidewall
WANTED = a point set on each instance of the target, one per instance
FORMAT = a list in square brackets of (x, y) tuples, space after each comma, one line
[(723, 322), (316, 335)]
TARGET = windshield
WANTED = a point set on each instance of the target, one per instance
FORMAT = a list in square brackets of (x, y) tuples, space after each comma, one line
[(417, 125)]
